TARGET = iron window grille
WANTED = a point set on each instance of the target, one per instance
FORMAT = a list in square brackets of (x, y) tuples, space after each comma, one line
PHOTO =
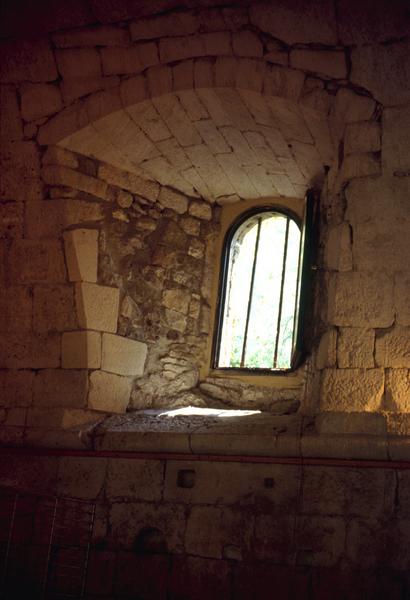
[(264, 290)]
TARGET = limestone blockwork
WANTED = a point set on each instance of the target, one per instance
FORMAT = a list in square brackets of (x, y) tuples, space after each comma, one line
[(127, 129)]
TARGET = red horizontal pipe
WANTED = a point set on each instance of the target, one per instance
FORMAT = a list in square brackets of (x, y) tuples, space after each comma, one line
[(272, 460)]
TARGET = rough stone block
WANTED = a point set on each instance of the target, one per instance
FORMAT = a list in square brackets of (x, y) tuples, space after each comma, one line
[(60, 388), (134, 480), (53, 308), (362, 137), (355, 348), (274, 537), (97, 306), (159, 80), (349, 107), (396, 133), (59, 175), (375, 247), (389, 200), (361, 300), (177, 300), (398, 390), (338, 249), (108, 392), (393, 348), (78, 63), (326, 353), (401, 298), (47, 219), (183, 23), (129, 181), (200, 210), (359, 165), (170, 199), (36, 351), (247, 44), (20, 165), (210, 530), (352, 390), (218, 43), (81, 477), (335, 423), (16, 388), (56, 155), (383, 70), (81, 251), (123, 356), (103, 35), (365, 543), (81, 350), (320, 540), (37, 262), (28, 60), (127, 61), (39, 100), (330, 63), (11, 127), (11, 220)]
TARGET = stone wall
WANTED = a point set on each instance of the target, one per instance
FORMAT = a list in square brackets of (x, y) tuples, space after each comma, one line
[(195, 530)]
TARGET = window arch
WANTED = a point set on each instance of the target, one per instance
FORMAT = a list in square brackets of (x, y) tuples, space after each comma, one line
[(263, 278)]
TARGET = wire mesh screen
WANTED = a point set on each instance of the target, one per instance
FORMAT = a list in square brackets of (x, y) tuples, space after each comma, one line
[(44, 545)]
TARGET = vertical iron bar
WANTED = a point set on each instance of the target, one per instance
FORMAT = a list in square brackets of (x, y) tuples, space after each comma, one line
[(6, 556), (248, 312), (285, 255), (49, 549), (87, 552)]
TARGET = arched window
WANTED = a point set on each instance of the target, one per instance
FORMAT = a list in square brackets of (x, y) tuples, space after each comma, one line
[(259, 316)]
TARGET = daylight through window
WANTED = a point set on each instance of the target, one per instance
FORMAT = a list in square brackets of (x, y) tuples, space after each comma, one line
[(260, 293)]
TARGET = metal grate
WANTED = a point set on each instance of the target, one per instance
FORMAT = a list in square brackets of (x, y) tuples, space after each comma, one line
[(44, 545)]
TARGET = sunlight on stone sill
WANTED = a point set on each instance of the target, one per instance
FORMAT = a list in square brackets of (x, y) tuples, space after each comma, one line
[(203, 412)]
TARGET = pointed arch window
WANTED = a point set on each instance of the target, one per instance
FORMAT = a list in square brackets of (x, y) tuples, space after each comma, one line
[(263, 280)]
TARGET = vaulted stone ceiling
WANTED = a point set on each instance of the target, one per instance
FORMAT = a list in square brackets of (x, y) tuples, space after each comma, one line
[(222, 144)]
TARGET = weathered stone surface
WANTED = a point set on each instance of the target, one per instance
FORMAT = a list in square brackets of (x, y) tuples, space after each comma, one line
[(60, 388), (396, 132), (211, 529), (375, 248), (352, 390), (78, 62), (45, 219), (170, 199), (28, 60), (39, 100), (364, 546), (129, 181), (36, 351), (81, 477), (177, 300), (389, 197), (103, 35), (349, 107), (274, 536), (11, 220), (60, 175), (337, 423), (320, 540), (122, 355), (81, 350), (246, 43), (129, 60), (183, 23), (338, 249), (384, 71), (326, 353), (361, 300), (401, 296), (355, 348), (370, 22), (393, 348), (108, 392), (53, 308), (362, 137), (20, 167), (360, 165), (398, 390), (134, 480), (16, 388), (329, 63), (37, 262), (283, 22), (81, 252), (97, 306), (11, 128), (56, 155), (200, 210)]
